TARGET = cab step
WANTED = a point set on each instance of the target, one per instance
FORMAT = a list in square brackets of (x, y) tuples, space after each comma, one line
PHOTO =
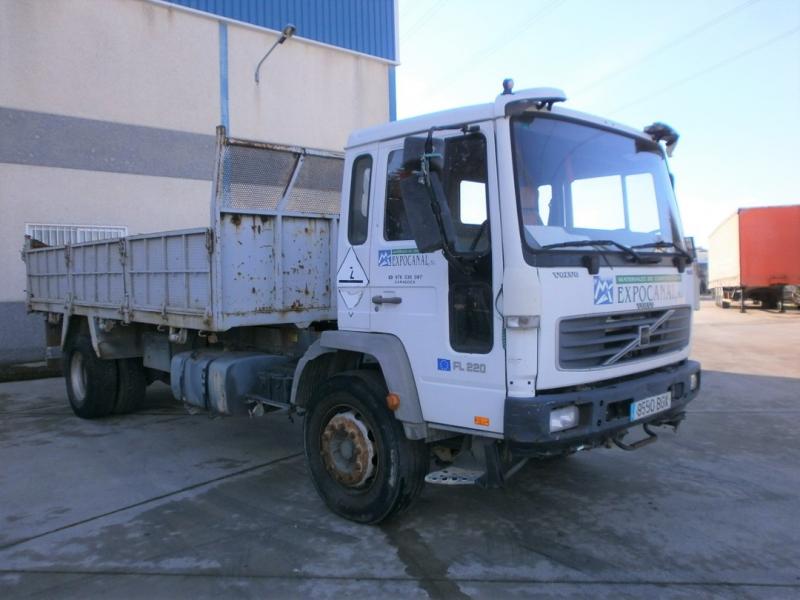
[(479, 463), (454, 476)]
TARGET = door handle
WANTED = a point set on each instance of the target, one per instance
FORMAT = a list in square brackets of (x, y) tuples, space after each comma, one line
[(386, 300)]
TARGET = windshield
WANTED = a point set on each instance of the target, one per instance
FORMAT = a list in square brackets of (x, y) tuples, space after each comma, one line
[(576, 182)]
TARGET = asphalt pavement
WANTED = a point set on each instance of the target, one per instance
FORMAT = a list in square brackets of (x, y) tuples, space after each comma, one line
[(162, 504)]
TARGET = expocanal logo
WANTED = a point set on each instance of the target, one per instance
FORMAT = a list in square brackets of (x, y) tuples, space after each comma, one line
[(642, 290), (403, 257)]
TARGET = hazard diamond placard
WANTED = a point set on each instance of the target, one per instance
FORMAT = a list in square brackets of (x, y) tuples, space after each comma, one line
[(351, 273)]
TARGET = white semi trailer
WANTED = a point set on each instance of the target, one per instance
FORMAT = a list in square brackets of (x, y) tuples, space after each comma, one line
[(466, 289)]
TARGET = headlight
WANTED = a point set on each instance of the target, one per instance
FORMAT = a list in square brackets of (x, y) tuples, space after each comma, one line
[(563, 418), (694, 381)]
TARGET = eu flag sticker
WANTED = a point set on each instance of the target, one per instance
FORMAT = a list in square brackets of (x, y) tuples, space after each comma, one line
[(443, 364)]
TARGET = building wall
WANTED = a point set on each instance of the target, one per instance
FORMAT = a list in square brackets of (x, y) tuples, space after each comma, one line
[(308, 95), (108, 111), (366, 26)]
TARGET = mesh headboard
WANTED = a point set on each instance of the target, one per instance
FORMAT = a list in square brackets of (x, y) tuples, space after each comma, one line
[(265, 178)]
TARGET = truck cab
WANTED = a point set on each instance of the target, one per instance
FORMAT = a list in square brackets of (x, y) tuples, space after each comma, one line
[(528, 263)]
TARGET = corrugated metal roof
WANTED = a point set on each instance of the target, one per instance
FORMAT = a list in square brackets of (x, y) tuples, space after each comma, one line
[(362, 25)]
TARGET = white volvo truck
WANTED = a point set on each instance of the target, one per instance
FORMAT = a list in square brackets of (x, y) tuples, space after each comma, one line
[(457, 293)]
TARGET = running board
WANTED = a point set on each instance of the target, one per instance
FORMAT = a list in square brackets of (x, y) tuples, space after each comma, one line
[(454, 476), (481, 465)]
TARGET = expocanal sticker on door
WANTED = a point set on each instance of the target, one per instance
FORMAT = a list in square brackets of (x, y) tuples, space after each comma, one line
[(404, 266)]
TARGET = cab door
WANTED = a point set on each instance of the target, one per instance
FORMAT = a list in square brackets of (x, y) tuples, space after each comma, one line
[(444, 313)]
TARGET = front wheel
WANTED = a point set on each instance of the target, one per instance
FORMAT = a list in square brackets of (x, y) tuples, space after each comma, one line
[(361, 463)]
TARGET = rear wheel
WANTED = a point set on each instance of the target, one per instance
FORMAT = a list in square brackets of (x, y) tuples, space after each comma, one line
[(361, 463), (91, 381), (132, 385)]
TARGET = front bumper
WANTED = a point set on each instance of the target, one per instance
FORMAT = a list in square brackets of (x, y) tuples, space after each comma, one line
[(603, 411)]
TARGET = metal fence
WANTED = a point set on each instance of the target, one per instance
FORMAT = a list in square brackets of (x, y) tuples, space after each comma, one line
[(58, 235)]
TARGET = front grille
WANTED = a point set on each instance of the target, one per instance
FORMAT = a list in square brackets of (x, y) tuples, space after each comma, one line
[(607, 340)]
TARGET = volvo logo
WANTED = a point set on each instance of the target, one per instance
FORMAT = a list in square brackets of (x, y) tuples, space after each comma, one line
[(643, 339)]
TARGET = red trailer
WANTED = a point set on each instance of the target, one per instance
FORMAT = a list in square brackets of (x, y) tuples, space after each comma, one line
[(753, 254)]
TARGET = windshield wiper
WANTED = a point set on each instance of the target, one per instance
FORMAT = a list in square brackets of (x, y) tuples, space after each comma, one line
[(578, 243), (663, 244)]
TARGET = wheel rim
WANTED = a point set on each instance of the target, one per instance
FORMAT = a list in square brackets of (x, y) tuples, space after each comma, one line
[(348, 449), (77, 376)]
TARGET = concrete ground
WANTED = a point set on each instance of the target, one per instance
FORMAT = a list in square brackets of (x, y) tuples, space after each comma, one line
[(161, 504)]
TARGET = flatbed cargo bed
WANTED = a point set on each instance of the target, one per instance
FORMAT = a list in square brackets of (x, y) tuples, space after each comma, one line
[(268, 257)]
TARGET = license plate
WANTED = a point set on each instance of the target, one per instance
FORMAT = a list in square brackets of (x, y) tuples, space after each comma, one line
[(650, 406)]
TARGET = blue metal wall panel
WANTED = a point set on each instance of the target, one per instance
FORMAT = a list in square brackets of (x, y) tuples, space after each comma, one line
[(362, 25)]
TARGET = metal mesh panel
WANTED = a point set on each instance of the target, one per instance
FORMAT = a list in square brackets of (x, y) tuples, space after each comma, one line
[(318, 185), (254, 178)]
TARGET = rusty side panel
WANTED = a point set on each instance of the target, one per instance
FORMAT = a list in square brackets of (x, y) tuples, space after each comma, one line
[(252, 282), (247, 247), (306, 266)]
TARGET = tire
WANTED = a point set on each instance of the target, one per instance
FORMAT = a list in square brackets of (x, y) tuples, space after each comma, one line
[(91, 381), (131, 387), (771, 301), (362, 465)]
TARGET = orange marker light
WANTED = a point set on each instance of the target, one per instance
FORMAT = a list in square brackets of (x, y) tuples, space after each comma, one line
[(483, 421), (393, 401)]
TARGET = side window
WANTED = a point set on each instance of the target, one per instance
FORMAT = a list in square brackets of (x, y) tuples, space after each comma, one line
[(470, 298), (464, 181), (472, 200), (395, 223), (358, 219)]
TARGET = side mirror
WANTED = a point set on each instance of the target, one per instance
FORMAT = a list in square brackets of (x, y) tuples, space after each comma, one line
[(661, 132), (688, 242), (423, 197), (420, 214)]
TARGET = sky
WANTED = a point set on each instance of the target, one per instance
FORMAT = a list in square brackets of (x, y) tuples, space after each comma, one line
[(724, 73)]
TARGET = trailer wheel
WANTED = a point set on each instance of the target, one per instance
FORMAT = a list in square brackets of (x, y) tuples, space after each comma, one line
[(771, 301), (132, 385), (91, 381), (361, 463)]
